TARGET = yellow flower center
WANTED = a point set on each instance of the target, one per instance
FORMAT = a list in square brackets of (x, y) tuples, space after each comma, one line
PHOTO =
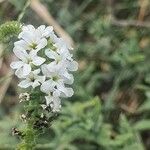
[(55, 78), (33, 46)]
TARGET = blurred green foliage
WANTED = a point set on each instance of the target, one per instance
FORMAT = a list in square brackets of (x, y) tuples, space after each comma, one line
[(114, 65)]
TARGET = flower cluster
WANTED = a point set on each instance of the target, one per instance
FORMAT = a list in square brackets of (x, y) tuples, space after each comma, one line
[(45, 62)]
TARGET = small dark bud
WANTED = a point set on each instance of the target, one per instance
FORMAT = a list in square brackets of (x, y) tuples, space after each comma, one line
[(23, 117), (15, 131)]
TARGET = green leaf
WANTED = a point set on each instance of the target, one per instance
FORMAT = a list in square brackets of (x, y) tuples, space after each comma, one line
[(124, 124), (145, 107), (142, 125)]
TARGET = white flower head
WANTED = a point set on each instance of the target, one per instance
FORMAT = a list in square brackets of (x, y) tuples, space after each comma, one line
[(44, 61)]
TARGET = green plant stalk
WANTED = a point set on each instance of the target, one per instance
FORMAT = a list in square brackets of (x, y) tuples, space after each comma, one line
[(30, 133), (35, 123)]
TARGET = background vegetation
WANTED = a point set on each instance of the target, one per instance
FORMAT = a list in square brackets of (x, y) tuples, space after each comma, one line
[(110, 109)]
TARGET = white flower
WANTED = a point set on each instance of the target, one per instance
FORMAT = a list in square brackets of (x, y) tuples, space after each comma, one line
[(61, 64), (58, 57), (24, 66), (62, 44), (54, 56), (47, 87), (33, 79), (31, 39), (65, 53), (54, 102), (62, 58), (56, 80), (45, 31), (56, 86)]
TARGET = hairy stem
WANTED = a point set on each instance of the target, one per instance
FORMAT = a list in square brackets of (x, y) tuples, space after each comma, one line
[(30, 133)]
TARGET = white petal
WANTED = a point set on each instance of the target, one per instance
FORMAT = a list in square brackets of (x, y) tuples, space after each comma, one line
[(37, 61), (19, 73), (48, 31), (47, 86), (56, 93), (62, 44), (65, 54), (53, 36), (42, 44), (24, 84), (72, 66), (28, 36), (17, 64), (21, 44), (40, 31), (26, 69), (68, 78), (45, 70), (69, 92), (41, 28), (33, 54), (35, 84), (66, 92), (48, 100), (61, 87), (28, 28), (20, 53), (56, 104), (45, 31), (51, 54)]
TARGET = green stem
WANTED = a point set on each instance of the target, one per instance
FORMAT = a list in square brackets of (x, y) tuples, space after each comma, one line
[(23, 10), (30, 134), (37, 120)]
